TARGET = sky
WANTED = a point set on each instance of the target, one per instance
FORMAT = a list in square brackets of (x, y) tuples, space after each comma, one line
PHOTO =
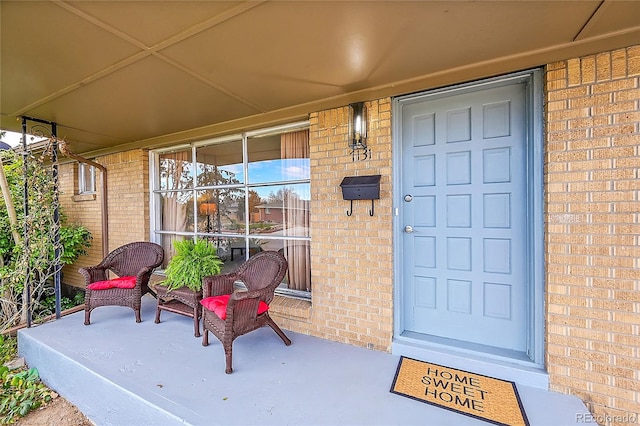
[(14, 138)]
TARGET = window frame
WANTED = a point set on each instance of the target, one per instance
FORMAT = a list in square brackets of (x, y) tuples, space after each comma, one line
[(157, 232)]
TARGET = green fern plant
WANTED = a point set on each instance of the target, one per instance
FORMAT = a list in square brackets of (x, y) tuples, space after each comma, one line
[(192, 262)]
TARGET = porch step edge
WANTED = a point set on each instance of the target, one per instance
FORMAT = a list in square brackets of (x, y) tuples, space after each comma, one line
[(102, 401)]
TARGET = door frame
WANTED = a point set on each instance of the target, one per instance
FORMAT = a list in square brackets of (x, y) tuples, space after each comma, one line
[(534, 204)]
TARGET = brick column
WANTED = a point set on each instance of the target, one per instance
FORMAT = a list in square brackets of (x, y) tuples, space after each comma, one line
[(592, 175), (351, 256)]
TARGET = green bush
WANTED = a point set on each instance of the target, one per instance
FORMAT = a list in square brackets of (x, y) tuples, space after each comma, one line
[(75, 240), (48, 305), (20, 390), (8, 348), (20, 393)]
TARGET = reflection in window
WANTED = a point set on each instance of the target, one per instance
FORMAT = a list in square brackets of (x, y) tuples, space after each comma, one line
[(220, 164), (283, 208), (221, 211), (175, 170), (277, 158), (266, 208)]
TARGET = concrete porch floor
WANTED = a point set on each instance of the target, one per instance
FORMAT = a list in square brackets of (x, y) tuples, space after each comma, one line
[(118, 372)]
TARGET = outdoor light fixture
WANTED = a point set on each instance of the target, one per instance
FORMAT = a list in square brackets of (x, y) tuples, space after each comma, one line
[(358, 131)]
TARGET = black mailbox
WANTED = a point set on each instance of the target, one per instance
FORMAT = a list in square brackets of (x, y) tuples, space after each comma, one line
[(361, 187)]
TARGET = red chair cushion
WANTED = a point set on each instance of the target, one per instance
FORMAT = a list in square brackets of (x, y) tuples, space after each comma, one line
[(218, 304), (120, 282)]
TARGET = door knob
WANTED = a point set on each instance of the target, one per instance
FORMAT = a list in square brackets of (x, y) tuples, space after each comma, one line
[(408, 229)]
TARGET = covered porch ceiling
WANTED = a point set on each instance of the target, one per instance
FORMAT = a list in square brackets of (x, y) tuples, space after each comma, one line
[(123, 74)]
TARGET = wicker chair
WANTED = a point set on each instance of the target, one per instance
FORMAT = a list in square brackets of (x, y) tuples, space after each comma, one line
[(244, 310), (138, 260)]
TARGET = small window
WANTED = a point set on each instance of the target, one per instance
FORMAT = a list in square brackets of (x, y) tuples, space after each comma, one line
[(86, 179)]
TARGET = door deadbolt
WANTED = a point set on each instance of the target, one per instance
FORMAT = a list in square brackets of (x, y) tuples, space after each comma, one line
[(408, 198)]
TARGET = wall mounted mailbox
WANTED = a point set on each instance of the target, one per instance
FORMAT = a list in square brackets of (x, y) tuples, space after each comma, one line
[(361, 188)]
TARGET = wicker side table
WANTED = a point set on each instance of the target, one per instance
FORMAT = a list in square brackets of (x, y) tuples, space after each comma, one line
[(182, 301)]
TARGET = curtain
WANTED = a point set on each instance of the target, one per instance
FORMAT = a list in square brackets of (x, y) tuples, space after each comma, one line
[(174, 213), (296, 216)]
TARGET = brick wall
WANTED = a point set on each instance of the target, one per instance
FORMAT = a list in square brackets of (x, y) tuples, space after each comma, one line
[(592, 179), (128, 204), (351, 256), (84, 210), (128, 185)]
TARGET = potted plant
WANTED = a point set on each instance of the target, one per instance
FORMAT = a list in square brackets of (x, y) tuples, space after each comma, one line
[(193, 261)]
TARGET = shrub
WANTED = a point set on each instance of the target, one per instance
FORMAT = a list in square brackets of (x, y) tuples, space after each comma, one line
[(20, 393), (8, 348)]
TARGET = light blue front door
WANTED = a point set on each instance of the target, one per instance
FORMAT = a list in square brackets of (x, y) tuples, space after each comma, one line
[(463, 213)]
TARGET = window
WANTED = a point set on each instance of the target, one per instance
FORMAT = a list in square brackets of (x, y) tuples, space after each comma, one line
[(86, 179), (245, 194)]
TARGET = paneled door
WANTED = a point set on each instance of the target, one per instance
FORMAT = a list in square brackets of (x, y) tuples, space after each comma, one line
[(463, 215)]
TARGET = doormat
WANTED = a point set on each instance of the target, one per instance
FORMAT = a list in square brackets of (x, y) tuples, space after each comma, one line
[(494, 400)]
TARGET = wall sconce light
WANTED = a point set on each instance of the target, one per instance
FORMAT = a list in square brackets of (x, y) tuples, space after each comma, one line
[(358, 131)]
